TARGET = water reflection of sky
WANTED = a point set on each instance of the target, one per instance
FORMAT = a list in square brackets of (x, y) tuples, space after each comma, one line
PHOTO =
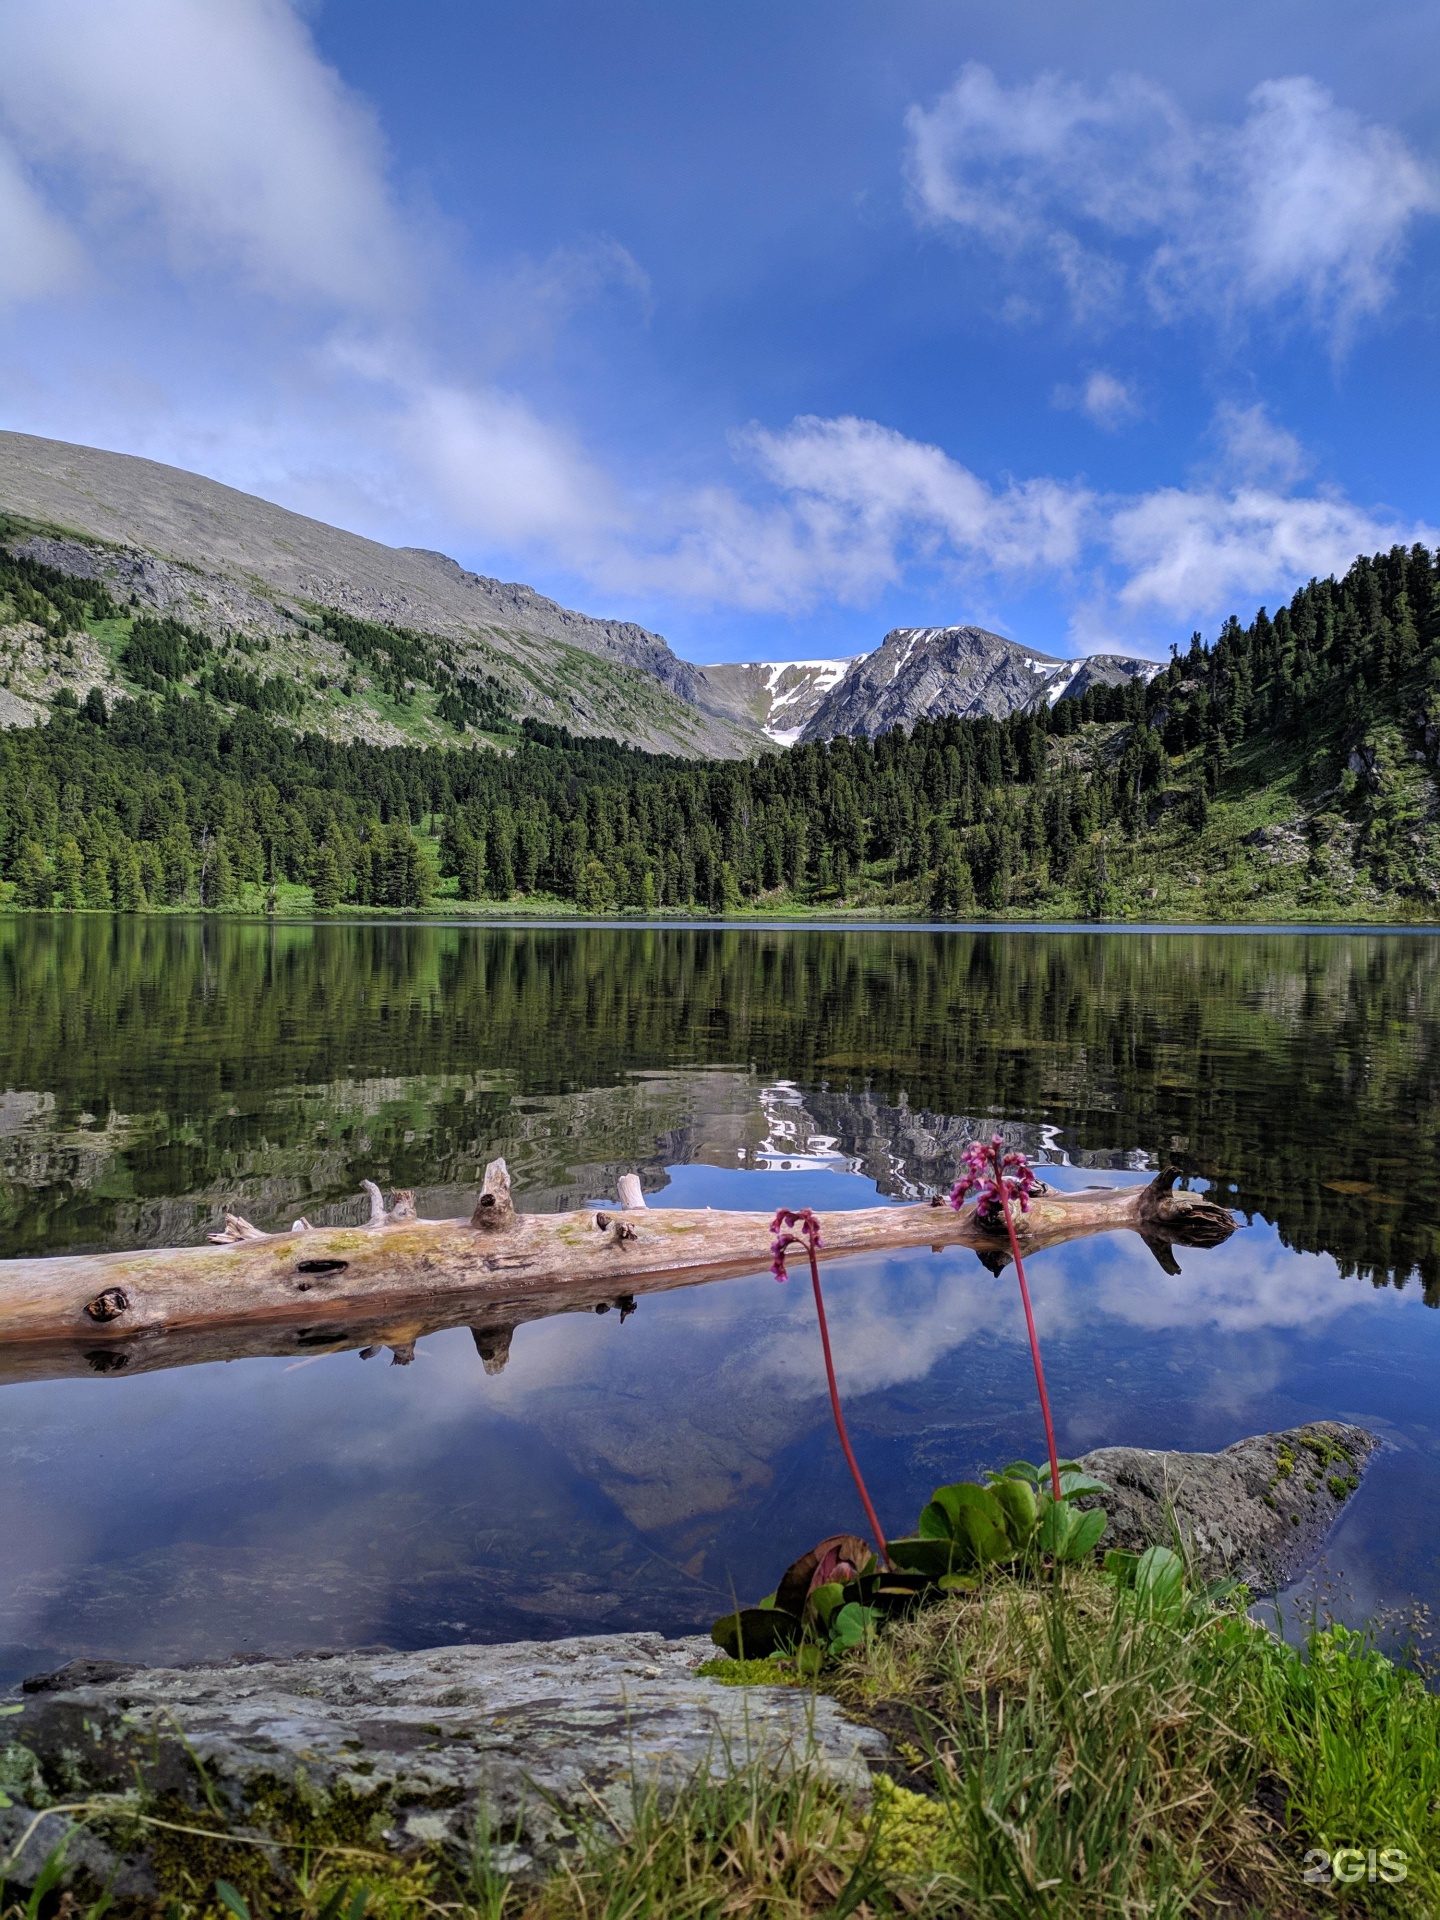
[(638, 1473)]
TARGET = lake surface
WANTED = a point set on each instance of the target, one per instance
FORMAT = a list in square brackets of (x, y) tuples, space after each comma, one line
[(613, 1471)]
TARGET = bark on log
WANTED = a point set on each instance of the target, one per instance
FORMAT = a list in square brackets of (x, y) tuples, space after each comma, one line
[(402, 1276)]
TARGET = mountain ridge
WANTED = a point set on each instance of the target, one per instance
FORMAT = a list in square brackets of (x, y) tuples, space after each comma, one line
[(250, 574), (229, 561), (930, 672)]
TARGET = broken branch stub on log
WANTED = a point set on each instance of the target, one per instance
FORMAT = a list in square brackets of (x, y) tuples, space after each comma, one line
[(494, 1210), (398, 1262)]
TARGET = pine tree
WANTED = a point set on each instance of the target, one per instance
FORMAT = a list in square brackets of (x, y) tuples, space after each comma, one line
[(129, 890), (325, 878), (596, 890), (952, 897), (70, 872), (34, 880), (220, 884), (97, 882)]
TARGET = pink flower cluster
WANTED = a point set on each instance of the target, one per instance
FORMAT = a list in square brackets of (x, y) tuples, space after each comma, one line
[(985, 1166), (782, 1240)]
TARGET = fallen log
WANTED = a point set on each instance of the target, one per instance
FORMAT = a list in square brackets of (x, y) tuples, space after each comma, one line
[(399, 1269)]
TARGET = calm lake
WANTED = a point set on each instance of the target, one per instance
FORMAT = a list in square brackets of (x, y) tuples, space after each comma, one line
[(608, 1471)]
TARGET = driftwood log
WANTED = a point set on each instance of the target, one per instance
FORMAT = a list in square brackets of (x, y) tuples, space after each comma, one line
[(398, 1277)]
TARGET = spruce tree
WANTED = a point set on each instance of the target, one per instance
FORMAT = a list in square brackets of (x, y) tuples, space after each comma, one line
[(70, 872), (325, 878)]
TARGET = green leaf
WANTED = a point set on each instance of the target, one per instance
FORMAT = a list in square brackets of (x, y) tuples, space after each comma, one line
[(1016, 1500), (1073, 1484), (986, 1534), (958, 1582), (975, 1518), (852, 1623), (232, 1898), (936, 1522), (5, 1711), (827, 1600), (1020, 1470), (927, 1556), (51, 1873), (1054, 1532), (5, 1800), (1160, 1578), (1085, 1533), (754, 1633)]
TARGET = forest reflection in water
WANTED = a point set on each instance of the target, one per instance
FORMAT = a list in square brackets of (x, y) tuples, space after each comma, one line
[(154, 1071)]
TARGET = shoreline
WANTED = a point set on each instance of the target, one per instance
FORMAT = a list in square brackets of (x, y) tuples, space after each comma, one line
[(507, 914)]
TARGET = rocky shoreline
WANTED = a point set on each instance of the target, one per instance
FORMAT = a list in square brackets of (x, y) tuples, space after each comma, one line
[(400, 1749)]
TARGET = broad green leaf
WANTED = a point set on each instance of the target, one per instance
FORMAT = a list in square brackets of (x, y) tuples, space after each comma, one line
[(1016, 1500), (851, 1625), (754, 1633), (1074, 1483), (1160, 1577), (1021, 1470), (936, 1522), (929, 1556), (1054, 1532), (983, 1529), (1085, 1533), (827, 1600)]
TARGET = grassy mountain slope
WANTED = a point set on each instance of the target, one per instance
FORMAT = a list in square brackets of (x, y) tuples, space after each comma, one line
[(169, 543)]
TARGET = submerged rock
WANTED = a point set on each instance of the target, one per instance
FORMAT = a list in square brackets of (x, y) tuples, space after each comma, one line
[(1258, 1511), (404, 1750)]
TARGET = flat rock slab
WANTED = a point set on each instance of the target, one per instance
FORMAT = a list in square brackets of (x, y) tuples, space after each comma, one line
[(414, 1744), (1259, 1511)]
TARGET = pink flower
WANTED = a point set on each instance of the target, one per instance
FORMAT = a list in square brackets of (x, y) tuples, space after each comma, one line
[(985, 1166), (808, 1236)]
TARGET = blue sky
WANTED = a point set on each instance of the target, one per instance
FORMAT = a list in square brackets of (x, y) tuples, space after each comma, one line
[(772, 326)]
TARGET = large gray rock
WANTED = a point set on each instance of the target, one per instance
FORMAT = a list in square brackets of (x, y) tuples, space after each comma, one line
[(413, 1744), (1259, 1511)]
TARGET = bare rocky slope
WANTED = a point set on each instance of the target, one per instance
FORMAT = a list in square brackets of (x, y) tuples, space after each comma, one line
[(780, 696), (925, 672), (230, 563)]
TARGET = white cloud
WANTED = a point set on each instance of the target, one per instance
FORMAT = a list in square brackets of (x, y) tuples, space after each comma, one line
[(1108, 402), (858, 506), (38, 254), (484, 459), (1255, 448), (1301, 205), (1189, 553), (218, 121)]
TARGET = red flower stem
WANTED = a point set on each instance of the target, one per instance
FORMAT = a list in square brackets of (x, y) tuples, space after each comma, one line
[(854, 1464), (1030, 1324)]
